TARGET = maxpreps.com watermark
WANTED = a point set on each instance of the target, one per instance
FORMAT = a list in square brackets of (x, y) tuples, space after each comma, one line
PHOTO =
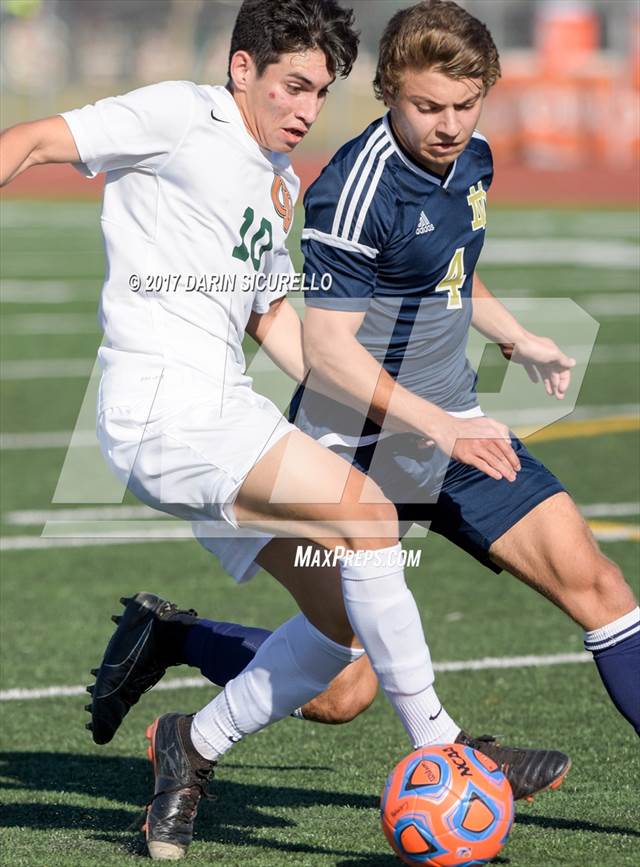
[(211, 283), (309, 556)]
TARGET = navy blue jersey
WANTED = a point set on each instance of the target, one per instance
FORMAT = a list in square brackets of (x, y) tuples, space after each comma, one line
[(400, 244)]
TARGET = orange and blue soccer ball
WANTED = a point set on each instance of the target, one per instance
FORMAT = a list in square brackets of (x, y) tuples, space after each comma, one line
[(446, 806)]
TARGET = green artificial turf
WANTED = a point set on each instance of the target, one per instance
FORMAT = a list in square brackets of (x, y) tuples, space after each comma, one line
[(297, 794)]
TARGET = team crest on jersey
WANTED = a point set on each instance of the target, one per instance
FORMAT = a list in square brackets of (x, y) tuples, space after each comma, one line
[(281, 198), (477, 200)]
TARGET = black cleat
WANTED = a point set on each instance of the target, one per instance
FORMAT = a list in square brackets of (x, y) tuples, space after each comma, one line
[(137, 656), (181, 776), (528, 771)]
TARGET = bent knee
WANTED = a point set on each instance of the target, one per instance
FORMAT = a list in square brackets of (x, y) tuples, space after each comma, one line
[(366, 514), (608, 575), (609, 584)]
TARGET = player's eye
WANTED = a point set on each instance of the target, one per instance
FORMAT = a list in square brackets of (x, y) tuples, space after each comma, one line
[(294, 89)]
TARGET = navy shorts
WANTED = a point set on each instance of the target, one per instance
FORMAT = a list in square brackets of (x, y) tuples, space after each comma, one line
[(456, 500)]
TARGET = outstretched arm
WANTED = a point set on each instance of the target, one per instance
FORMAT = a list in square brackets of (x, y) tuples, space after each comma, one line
[(35, 143), (540, 356)]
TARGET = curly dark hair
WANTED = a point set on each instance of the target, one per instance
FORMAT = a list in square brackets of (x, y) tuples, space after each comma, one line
[(265, 29), (436, 34)]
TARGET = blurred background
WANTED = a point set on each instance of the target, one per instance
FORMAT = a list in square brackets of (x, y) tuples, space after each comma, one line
[(566, 110), (562, 247)]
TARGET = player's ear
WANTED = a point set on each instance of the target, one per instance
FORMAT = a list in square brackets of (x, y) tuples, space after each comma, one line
[(242, 69)]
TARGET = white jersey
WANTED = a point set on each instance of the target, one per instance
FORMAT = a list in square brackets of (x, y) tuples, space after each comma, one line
[(195, 220)]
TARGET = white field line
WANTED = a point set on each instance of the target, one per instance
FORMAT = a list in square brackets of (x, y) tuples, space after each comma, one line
[(125, 535), (50, 323), (540, 222), (47, 291), (47, 440), (52, 368), (581, 252), (560, 251), (615, 304), (39, 517), (605, 354), (602, 306), (31, 518), (516, 418), (533, 222), (487, 663), (77, 368), (97, 535), (610, 510)]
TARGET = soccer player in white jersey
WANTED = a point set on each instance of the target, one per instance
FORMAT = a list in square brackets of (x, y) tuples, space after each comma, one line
[(426, 148), (199, 187)]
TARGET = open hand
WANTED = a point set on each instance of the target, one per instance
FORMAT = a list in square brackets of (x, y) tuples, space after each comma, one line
[(544, 361), (483, 443)]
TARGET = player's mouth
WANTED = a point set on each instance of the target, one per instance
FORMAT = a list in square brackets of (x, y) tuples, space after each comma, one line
[(294, 134), (444, 147)]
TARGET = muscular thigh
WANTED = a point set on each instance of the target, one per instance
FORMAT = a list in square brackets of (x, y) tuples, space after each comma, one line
[(299, 488), (551, 548)]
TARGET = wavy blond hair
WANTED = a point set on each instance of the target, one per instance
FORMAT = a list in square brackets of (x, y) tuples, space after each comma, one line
[(435, 34)]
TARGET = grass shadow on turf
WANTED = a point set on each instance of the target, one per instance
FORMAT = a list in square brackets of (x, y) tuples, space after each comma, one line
[(574, 825), (233, 818)]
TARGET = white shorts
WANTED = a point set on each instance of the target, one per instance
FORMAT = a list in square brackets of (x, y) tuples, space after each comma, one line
[(188, 455)]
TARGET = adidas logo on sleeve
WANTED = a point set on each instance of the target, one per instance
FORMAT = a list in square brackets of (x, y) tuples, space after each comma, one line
[(424, 224)]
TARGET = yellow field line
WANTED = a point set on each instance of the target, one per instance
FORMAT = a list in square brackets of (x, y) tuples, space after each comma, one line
[(567, 430), (610, 531)]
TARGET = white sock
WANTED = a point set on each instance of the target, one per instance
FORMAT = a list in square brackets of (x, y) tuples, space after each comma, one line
[(425, 719), (296, 663), (384, 616), (612, 633)]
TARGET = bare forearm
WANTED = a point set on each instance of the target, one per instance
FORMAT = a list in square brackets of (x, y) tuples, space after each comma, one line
[(17, 146), (30, 144), (279, 333), (352, 375), (491, 317)]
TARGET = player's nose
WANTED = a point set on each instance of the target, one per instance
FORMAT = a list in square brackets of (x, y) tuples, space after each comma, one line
[(308, 108), (449, 124)]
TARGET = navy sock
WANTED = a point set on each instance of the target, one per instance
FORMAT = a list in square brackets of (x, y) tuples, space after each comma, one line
[(221, 650), (616, 651)]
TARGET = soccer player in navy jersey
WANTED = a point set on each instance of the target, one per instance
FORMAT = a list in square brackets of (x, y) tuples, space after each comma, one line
[(397, 219)]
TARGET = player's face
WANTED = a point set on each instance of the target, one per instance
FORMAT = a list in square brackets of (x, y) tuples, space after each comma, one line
[(434, 116), (281, 105)]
